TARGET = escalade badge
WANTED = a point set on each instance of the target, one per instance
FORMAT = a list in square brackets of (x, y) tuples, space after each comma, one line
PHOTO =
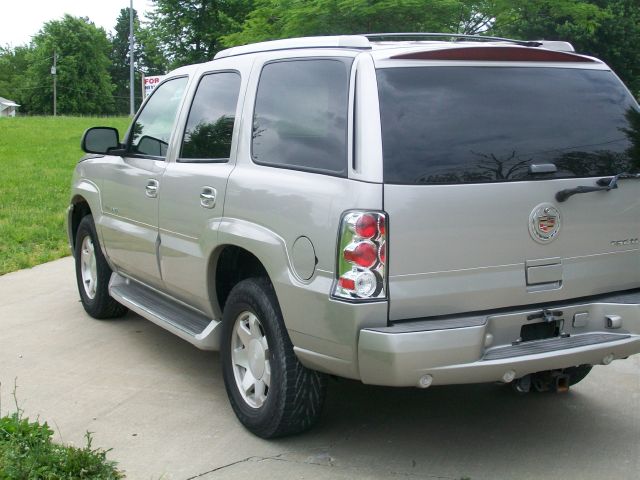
[(544, 223)]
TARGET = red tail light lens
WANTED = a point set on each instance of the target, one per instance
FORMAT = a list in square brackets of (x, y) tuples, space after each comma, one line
[(347, 283), (363, 254), (362, 259), (366, 226)]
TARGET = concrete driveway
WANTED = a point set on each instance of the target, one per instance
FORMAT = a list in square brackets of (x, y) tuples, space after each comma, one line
[(161, 405)]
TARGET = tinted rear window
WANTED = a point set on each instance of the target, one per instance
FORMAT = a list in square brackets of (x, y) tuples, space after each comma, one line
[(487, 124), (300, 118)]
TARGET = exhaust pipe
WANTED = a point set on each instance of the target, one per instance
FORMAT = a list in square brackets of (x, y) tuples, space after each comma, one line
[(522, 385)]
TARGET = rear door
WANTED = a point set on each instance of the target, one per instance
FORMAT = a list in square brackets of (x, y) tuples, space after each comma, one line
[(193, 187), (474, 156)]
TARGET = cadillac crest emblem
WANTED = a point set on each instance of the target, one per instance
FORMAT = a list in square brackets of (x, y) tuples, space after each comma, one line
[(544, 223)]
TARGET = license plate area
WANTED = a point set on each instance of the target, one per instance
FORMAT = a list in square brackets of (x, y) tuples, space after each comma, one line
[(540, 331)]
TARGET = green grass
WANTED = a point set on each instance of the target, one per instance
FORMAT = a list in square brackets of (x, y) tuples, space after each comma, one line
[(27, 452), (37, 157)]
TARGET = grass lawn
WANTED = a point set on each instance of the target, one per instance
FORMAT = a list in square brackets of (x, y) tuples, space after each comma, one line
[(37, 157)]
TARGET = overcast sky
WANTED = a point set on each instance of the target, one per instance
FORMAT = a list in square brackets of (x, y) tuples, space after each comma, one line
[(21, 19)]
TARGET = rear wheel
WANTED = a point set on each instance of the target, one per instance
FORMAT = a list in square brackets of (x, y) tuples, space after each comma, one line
[(271, 393), (93, 274)]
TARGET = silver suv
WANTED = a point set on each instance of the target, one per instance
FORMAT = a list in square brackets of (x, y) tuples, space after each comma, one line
[(403, 210)]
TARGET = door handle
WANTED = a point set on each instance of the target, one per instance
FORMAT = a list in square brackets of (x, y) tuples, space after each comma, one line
[(151, 190), (208, 197)]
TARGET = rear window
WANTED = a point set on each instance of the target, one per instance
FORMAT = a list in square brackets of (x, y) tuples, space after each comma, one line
[(300, 118), (444, 125)]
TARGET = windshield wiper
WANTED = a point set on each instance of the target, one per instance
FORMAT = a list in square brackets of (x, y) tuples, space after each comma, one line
[(603, 185)]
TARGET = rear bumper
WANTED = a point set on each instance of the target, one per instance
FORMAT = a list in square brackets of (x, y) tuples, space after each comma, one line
[(480, 348)]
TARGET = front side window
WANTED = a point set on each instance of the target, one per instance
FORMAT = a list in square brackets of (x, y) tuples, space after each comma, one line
[(300, 117), (151, 131), (458, 124), (209, 130)]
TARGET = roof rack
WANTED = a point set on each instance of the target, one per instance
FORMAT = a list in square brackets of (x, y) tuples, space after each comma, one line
[(364, 42), (335, 41)]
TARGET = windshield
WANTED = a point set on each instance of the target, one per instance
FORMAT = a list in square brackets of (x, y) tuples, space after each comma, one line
[(488, 124)]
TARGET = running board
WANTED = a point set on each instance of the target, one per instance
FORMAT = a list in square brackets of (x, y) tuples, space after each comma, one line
[(552, 345), (179, 319)]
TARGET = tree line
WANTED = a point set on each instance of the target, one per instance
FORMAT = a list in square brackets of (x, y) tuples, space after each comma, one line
[(93, 66)]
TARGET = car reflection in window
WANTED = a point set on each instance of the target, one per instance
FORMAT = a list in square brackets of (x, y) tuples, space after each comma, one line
[(152, 146), (209, 139)]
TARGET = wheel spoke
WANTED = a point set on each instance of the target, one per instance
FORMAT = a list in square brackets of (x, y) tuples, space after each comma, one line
[(254, 327), (259, 393), (266, 376), (243, 334), (248, 382), (265, 345), (241, 358)]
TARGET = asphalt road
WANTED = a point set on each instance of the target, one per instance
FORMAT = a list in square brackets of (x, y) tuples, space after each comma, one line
[(160, 404)]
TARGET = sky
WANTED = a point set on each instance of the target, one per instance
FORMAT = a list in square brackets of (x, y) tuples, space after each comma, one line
[(21, 19)]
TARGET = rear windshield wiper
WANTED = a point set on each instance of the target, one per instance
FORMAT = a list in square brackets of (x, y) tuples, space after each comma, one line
[(603, 185)]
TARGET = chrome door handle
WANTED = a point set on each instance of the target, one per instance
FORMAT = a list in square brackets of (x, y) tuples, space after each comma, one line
[(151, 190), (208, 197)]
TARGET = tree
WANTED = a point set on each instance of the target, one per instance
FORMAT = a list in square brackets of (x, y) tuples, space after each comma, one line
[(546, 19), (13, 68), (617, 40), (121, 59), (607, 29), (273, 19), (84, 84), (189, 31)]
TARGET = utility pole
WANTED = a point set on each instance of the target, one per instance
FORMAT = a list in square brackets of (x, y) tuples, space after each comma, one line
[(132, 109), (55, 77)]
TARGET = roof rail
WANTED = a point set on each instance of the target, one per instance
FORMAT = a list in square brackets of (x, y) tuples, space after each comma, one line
[(481, 38), (336, 41), (363, 42)]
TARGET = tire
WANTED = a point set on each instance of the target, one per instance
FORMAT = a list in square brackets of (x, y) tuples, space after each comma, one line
[(93, 274), (577, 374), (281, 397)]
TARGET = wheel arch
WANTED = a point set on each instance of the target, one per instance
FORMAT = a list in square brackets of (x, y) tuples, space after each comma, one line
[(79, 208), (229, 264), (255, 249)]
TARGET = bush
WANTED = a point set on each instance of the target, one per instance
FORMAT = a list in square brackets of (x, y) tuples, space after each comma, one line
[(28, 453)]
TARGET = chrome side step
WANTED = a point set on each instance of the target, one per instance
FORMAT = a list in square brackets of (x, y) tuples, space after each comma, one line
[(179, 319), (552, 344)]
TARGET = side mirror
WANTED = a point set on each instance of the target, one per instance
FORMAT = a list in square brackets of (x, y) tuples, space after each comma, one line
[(100, 140)]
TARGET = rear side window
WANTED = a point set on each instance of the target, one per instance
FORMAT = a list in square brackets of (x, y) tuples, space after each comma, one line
[(152, 129), (300, 117), (209, 130), (488, 124)]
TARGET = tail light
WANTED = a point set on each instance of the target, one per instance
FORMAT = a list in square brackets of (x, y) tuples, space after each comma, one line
[(362, 256)]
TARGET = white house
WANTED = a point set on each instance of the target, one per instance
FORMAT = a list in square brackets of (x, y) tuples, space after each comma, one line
[(7, 107)]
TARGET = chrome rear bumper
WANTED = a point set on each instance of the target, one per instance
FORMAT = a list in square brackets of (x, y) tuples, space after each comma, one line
[(481, 348)]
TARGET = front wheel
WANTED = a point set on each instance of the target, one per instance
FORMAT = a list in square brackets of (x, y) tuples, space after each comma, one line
[(271, 393), (93, 274)]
